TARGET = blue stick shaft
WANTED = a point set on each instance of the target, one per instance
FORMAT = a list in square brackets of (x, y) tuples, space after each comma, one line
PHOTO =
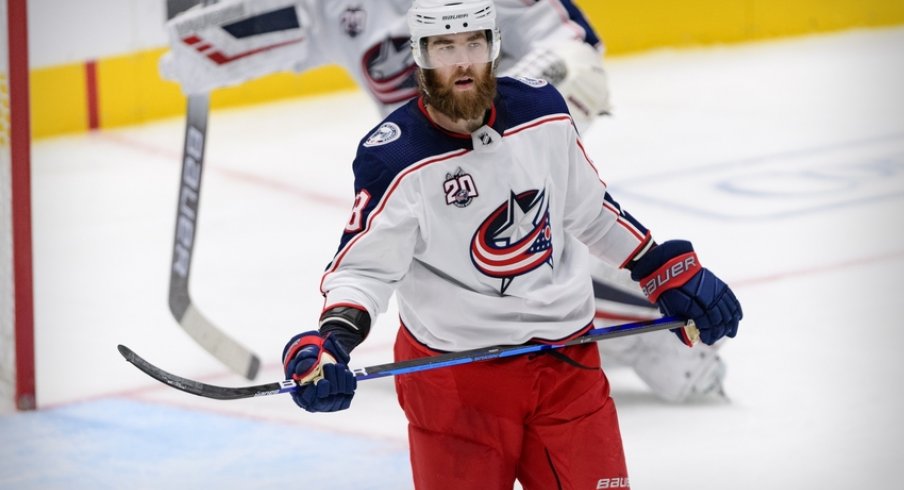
[(498, 352), (403, 367)]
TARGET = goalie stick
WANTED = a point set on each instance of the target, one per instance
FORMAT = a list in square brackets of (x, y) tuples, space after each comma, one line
[(404, 367), (227, 350)]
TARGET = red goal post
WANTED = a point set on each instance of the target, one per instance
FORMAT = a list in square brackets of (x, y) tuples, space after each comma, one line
[(17, 362)]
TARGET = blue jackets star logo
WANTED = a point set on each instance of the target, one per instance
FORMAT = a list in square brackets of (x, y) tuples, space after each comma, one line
[(515, 238)]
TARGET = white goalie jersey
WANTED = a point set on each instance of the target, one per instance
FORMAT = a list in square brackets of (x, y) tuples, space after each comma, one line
[(483, 237), (234, 41)]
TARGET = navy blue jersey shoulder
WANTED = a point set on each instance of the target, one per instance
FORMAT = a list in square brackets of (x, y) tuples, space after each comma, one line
[(407, 136), (522, 100), (404, 137)]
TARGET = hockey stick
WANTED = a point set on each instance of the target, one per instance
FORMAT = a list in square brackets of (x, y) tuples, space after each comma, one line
[(404, 367), (227, 350)]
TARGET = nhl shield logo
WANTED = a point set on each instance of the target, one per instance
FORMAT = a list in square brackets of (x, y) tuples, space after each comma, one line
[(386, 133)]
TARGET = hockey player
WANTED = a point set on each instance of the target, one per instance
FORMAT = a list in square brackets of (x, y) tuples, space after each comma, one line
[(477, 205), (238, 40)]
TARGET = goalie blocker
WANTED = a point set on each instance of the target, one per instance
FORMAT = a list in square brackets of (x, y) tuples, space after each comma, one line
[(233, 42)]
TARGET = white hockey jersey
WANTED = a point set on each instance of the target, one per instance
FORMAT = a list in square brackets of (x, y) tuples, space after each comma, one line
[(235, 41), (484, 237)]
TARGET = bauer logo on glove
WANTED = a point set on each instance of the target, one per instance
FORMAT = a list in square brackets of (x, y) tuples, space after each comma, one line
[(675, 273), (672, 277)]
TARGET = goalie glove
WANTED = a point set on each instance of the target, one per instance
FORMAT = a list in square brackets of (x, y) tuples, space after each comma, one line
[(234, 41), (576, 70), (671, 276)]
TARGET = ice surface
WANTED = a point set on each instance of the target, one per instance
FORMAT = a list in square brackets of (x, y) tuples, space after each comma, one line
[(783, 161)]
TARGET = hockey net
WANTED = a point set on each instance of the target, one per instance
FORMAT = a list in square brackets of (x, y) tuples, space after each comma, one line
[(17, 385)]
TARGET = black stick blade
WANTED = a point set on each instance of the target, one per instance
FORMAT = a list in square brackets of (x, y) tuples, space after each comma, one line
[(203, 389)]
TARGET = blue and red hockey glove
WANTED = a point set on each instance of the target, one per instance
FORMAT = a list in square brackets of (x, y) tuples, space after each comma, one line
[(320, 367), (671, 276)]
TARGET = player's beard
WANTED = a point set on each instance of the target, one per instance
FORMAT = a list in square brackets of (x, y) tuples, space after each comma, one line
[(469, 105)]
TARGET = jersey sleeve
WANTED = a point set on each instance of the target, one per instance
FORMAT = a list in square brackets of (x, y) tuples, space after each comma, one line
[(378, 241), (595, 218)]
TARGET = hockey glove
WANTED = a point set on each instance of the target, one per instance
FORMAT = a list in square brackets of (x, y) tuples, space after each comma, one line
[(320, 367), (672, 277)]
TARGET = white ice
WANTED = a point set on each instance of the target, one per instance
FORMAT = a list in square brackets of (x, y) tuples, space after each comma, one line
[(783, 161)]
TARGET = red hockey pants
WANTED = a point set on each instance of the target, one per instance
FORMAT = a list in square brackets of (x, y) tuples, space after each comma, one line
[(537, 418)]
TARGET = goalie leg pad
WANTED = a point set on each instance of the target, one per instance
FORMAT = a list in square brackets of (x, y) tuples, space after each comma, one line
[(674, 372)]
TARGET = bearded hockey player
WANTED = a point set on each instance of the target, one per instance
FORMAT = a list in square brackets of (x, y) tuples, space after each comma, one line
[(234, 41), (476, 204)]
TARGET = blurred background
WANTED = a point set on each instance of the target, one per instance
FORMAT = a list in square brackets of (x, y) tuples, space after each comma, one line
[(94, 62)]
